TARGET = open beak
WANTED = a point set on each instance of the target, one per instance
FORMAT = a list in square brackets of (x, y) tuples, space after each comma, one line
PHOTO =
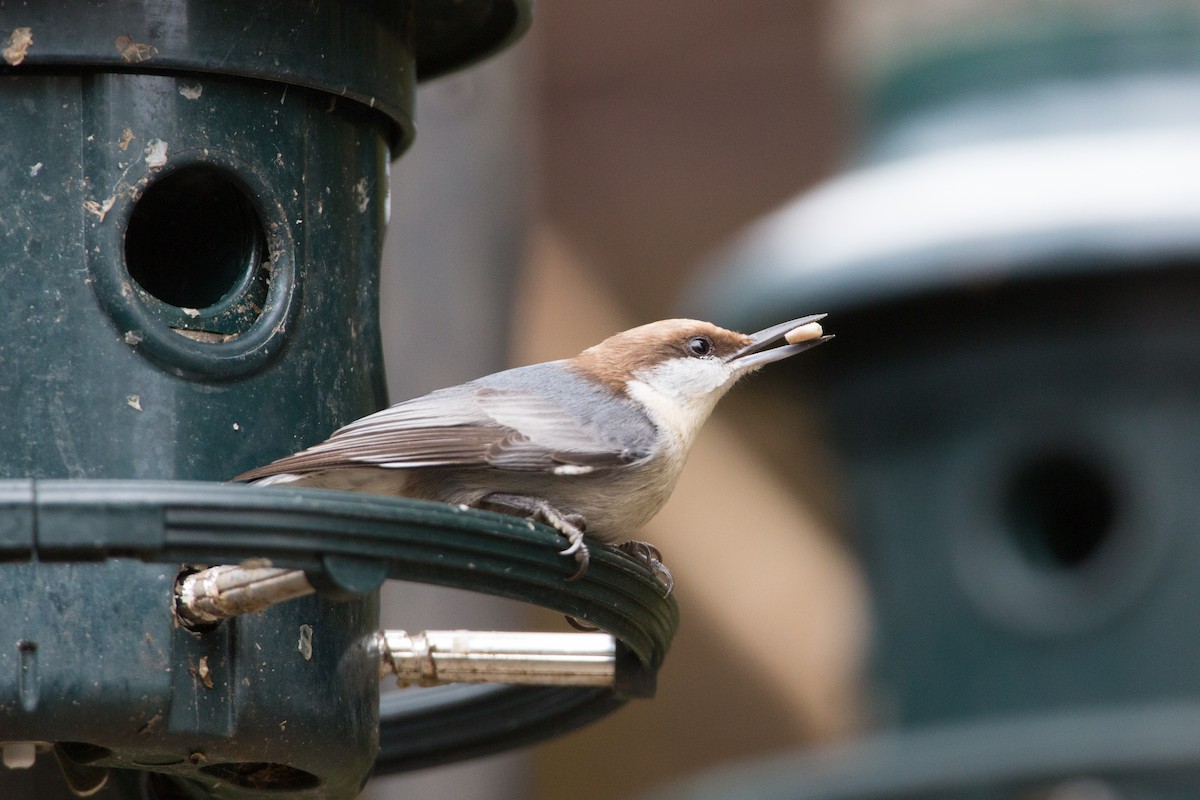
[(761, 349)]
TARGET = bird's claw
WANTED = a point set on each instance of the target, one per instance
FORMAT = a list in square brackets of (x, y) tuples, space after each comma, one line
[(575, 546), (651, 557), (582, 556), (646, 553), (580, 626), (536, 508), (571, 526)]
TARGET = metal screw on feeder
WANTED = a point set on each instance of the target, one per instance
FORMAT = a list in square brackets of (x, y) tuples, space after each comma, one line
[(208, 596)]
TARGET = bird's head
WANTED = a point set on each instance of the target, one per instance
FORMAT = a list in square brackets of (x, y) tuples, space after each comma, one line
[(682, 367)]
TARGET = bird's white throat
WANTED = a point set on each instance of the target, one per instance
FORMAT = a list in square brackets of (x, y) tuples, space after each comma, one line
[(680, 394)]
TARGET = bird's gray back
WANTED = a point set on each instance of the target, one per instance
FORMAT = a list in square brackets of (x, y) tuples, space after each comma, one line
[(605, 414)]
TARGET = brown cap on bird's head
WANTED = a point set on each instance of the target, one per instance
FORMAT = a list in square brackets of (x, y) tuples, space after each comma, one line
[(621, 356)]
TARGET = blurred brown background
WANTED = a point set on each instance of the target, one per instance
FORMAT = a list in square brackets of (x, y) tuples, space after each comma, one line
[(664, 127)]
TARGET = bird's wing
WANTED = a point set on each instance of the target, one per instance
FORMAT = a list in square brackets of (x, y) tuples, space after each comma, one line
[(506, 426)]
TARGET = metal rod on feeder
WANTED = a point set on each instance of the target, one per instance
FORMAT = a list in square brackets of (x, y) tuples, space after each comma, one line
[(427, 658), (431, 658)]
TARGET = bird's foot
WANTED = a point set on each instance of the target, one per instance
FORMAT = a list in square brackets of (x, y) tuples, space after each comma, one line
[(650, 555), (540, 510)]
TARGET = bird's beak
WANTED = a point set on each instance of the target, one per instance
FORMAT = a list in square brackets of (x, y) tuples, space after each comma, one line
[(761, 350)]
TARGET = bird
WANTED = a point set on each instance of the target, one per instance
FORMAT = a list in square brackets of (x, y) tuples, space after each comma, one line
[(591, 443)]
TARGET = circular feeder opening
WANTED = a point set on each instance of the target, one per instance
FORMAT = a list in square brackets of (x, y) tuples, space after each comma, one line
[(194, 239), (263, 776), (1060, 510)]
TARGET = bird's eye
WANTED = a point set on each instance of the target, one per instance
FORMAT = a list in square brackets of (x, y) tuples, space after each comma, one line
[(699, 346)]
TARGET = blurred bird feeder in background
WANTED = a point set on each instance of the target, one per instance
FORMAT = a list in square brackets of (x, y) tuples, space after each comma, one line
[(1015, 404)]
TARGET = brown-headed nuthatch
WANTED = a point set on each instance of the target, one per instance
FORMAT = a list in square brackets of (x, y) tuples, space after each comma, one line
[(596, 441)]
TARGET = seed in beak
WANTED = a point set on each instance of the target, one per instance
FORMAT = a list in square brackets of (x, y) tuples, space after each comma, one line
[(804, 333)]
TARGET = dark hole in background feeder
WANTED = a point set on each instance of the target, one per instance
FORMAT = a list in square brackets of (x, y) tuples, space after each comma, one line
[(1060, 510), (195, 239)]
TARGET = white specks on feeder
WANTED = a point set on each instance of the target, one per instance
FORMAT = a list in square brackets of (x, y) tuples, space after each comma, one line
[(99, 209), (191, 92), (133, 338), (204, 673), (134, 52), (463, 507), (156, 154), (191, 312), (151, 725), (361, 198), (35, 169), (305, 643), (17, 45), (237, 427), (134, 401)]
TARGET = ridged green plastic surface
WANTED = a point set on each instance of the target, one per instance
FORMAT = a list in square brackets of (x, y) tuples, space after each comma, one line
[(348, 543)]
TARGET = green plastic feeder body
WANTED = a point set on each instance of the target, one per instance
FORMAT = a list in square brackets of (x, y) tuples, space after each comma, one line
[(194, 201)]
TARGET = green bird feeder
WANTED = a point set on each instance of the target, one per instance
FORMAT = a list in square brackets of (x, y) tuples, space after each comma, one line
[(194, 197)]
